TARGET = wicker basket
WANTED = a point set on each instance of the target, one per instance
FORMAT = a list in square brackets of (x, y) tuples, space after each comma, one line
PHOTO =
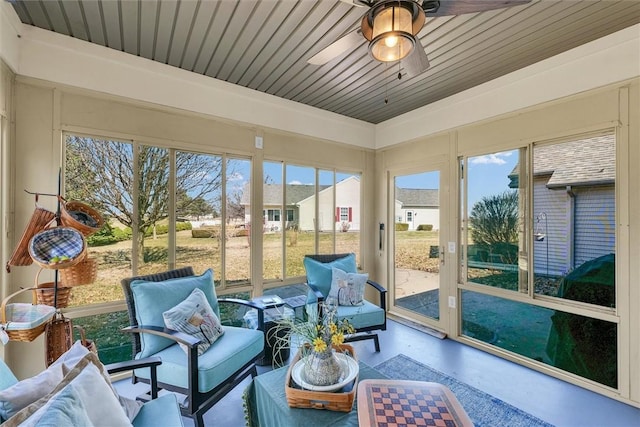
[(333, 401), (46, 293), (24, 321), (83, 273), (40, 219), (59, 338), (80, 216), (55, 242)]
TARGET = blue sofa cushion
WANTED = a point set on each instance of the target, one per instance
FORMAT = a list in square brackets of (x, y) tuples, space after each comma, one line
[(151, 299), (159, 412)]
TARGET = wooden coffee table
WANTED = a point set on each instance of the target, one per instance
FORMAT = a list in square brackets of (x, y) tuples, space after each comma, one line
[(393, 403)]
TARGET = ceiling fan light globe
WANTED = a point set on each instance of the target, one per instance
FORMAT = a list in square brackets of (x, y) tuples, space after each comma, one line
[(380, 51), (390, 41)]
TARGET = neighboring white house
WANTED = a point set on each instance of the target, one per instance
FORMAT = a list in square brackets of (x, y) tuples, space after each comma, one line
[(573, 203), (347, 209), (416, 206), (300, 206)]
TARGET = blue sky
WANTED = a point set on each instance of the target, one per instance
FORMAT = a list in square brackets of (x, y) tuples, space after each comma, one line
[(487, 175)]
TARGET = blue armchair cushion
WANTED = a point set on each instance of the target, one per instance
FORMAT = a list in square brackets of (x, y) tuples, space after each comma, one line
[(159, 412), (348, 288), (235, 348), (194, 316), (320, 274), (365, 315), (151, 299)]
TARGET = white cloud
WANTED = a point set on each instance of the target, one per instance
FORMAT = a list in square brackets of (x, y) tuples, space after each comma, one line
[(295, 182), (490, 159)]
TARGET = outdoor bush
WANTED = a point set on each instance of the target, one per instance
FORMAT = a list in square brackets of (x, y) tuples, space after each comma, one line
[(425, 227), (164, 228), (205, 232), (108, 235), (402, 226)]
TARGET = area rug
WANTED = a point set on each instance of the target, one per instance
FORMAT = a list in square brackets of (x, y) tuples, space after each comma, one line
[(483, 409)]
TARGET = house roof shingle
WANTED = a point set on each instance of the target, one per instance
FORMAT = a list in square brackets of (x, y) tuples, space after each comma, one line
[(417, 197), (589, 161)]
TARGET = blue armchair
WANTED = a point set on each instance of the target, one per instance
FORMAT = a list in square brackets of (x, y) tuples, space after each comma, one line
[(204, 379), (366, 318)]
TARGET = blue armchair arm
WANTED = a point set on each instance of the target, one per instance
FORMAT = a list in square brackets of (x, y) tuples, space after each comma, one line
[(129, 365)]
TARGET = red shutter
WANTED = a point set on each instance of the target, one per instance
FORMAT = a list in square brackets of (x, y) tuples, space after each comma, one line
[(350, 219), (337, 214)]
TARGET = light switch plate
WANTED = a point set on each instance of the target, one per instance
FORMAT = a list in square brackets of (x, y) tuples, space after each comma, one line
[(452, 302), (452, 247), (258, 142)]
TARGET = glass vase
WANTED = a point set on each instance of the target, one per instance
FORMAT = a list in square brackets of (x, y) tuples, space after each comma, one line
[(322, 368)]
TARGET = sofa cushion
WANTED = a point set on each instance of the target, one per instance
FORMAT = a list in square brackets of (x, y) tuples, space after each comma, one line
[(159, 412), (151, 299), (235, 348), (66, 409), (320, 273), (27, 391), (97, 396), (194, 316), (7, 379)]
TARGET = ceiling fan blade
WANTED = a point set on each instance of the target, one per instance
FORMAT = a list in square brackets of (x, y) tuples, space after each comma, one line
[(349, 41), (416, 62), (460, 7), (359, 3)]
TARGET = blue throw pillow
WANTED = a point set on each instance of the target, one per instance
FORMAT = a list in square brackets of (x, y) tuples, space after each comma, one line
[(321, 273), (154, 298)]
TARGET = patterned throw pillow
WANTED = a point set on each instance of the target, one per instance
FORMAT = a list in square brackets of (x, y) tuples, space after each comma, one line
[(347, 288), (194, 316)]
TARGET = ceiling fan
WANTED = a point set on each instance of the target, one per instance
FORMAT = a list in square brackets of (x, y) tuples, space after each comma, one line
[(391, 28)]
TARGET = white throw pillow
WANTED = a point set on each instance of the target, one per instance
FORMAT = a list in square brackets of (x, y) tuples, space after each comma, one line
[(96, 394), (25, 392), (194, 316), (347, 288)]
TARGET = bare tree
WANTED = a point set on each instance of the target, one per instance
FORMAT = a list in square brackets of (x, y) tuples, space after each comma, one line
[(101, 173)]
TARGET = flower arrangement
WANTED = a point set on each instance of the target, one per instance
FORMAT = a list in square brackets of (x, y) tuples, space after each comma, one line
[(318, 333), (317, 337), (326, 330)]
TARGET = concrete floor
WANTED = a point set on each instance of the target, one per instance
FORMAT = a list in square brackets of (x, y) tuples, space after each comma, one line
[(549, 399)]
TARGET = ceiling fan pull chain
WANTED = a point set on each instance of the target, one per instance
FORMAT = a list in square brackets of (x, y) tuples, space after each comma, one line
[(386, 84)]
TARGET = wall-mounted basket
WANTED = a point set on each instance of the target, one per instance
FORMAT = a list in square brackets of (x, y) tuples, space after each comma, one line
[(46, 293), (83, 273), (80, 216), (58, 248), (24, 321), (40, 219)]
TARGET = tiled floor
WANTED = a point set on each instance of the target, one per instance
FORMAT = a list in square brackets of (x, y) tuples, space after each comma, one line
[(550, 399)]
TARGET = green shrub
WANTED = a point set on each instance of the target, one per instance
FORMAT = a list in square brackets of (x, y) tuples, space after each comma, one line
[(425, 227), (402, 226), (108, 235)]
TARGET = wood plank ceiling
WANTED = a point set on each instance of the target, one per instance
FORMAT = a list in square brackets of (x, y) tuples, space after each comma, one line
[(265, 45)]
